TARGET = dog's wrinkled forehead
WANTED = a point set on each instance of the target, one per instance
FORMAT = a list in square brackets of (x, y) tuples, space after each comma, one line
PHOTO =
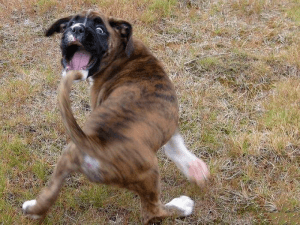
[(87, 19), (79, 20)]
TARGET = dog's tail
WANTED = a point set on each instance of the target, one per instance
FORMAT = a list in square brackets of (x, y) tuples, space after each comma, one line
[(73, 129)]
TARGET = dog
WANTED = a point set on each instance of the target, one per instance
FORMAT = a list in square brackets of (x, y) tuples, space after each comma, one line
[(134, 113)]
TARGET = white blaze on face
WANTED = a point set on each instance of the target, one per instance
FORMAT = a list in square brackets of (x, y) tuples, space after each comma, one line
[(77, 25), (70, 37)]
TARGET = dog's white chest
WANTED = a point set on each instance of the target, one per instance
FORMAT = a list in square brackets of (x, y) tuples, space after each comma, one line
[(91, 168)]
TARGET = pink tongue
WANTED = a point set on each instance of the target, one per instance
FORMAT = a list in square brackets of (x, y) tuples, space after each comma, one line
[(79, 61)]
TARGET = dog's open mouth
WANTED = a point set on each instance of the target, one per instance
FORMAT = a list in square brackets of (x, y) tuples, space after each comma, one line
[(77, 58)]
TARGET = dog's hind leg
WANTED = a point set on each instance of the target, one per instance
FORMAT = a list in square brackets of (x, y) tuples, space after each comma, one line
[(152, 208), (149, 191), (190, 165), (37, 208)]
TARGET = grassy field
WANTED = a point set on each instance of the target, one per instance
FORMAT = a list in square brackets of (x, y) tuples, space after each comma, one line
[(236, 67)]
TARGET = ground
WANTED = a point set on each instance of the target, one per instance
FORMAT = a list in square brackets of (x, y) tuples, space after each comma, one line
[(235, 65)]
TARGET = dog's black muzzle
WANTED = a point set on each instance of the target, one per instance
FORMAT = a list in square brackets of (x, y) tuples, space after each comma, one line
[(78, 32)]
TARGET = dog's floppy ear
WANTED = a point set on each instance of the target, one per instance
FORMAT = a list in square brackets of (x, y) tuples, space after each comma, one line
[(124, 29), (58, 27)]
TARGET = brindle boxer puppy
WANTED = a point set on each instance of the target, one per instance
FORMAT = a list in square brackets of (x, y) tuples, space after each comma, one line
[(134, 113)]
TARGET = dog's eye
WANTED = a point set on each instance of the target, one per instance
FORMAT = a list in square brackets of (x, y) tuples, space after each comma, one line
[(72, 23), (99, 30)]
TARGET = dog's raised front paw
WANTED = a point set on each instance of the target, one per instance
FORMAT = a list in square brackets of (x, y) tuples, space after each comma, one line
[(198, 171)]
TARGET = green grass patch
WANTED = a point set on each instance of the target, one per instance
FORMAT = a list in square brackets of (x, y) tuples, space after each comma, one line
[(16, 152), (158, 9), (17, 91), (294, 12), (51, 76), (282, 117), (209, 137), (40, 169), (209, 63), (163, 6), (45, 5), (284, 217), (6, 210), (250, 7), (2, 181), (94, 194), (282, 108)]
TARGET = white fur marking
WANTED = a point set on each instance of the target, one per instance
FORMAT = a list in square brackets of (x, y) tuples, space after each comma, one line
[(192, 167), (91, 168), (84, 73), (178, 153), (90, 80), (70, 37), (29, 204), (88, 13), (92, 163), (77, 25), (64, 73), (84, 24), (183, 203)]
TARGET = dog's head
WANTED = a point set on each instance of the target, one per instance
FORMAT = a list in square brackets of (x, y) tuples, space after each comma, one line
[(90, 40)]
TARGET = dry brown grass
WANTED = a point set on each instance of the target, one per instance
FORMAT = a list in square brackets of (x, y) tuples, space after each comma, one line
[(235, 64)]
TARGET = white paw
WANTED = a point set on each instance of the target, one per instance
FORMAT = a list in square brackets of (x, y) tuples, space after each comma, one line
[(183, 203), (27, 205)]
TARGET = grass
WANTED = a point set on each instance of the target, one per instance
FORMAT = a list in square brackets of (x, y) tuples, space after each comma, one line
[(235, 65)]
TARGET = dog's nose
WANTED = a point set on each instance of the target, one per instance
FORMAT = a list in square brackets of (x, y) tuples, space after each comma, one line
[(78, 30)]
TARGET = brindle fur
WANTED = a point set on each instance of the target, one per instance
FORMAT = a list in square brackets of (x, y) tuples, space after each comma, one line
[(134, 113)]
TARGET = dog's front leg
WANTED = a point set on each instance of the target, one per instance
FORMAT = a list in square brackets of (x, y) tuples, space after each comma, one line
[(37, 208), (190, 165)]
